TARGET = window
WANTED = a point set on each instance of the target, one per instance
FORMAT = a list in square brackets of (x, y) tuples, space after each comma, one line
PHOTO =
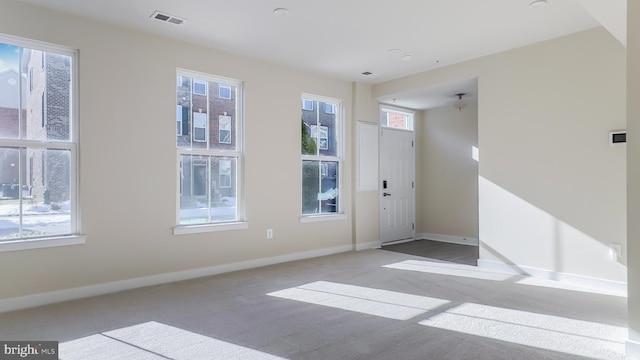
[(224, 91), (224, 131), (321, 156), (307, 104), (208, 170), (199, 87), (200, 122), (329, 108), (321, 134), (38, 144), (179, 120), (396, 118)]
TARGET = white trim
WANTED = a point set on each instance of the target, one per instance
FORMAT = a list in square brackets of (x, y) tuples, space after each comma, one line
[(602, 284), (323, 217), (632, 350), (451, 239), (29, 301), (209, 227), (39, 243), (368, 245)]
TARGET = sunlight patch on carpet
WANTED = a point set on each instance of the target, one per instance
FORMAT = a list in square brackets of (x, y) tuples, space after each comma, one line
[(152, 341), (383, 303), (570, 336)]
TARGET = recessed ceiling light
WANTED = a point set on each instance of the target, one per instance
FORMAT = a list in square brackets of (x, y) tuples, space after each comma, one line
[(407, 57), (538, 3), (393, 51), (281, 11)]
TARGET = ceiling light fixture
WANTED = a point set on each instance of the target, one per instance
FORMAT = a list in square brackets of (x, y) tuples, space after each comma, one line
[(394, 51), (407, 57), (459, 104), (281, 11), (367, 73), (538, 3)]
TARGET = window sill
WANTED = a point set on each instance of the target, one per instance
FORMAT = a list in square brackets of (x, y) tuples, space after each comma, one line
[(321, 218), (39, 243), (197, 229)]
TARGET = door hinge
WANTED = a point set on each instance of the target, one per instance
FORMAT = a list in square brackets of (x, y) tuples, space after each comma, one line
[(411, 143), (412, 185), (413, 226)]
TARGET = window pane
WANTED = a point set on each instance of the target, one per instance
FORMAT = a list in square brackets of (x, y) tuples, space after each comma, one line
[(9, 193), (46, 196), (319, 187), (48, 100), (35, 193), (209, 189), (206, 122), (11, 85), (319, 130), (396, 119)]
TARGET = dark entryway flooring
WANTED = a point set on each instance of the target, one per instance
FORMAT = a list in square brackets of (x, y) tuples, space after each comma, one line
[(460, 254)]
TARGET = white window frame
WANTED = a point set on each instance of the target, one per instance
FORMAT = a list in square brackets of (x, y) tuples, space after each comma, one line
[(307, 104), (74, 237), (340, 146), (238, 154), (227, 120), (198, 81), (397, 110), (224, 86)]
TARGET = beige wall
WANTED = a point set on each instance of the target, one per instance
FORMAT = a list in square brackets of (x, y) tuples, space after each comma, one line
[(366, 222), (551, 190), (128, 159), (448, 176), (633, 169)]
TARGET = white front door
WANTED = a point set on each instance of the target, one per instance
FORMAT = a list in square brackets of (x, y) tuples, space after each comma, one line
[(397, 192)]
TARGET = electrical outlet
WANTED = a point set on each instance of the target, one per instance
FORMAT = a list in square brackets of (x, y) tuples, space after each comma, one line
[(269, 233), (615, 251)]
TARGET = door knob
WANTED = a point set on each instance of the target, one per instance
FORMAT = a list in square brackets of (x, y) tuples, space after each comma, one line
[(386, 194)]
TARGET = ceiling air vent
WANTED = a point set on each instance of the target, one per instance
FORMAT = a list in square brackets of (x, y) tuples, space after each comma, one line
[(167, 18)]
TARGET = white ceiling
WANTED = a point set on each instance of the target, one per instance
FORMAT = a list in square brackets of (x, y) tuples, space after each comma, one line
[(343, 38)]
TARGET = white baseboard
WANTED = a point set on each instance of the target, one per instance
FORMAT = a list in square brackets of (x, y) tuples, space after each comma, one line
[(602, 284), (29, 301), (632, 350), (368, 245), (448, 239)]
